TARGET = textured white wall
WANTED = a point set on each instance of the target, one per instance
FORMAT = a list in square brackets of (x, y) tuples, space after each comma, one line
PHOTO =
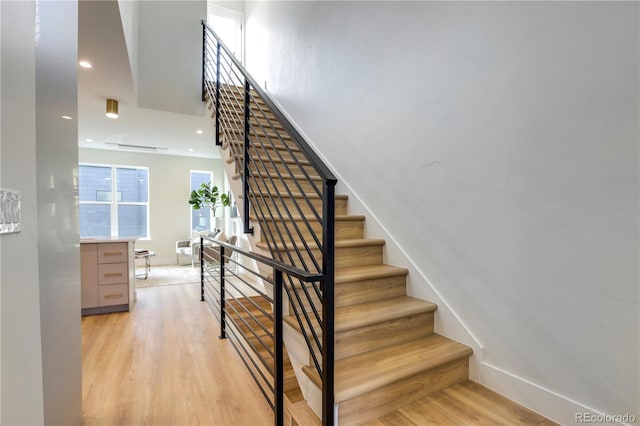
[(169, 209), (21, 349), (497, 143)]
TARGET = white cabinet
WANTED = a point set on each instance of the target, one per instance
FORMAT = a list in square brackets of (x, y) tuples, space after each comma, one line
[(108, 276)]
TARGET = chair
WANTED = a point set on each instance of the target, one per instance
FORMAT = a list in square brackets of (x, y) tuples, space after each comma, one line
[(212, 253), (191, 248)]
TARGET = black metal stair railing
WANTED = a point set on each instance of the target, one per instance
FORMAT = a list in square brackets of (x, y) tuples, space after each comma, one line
[(287, 190)]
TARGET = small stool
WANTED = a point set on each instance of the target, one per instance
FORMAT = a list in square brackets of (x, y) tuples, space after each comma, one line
[(146, 255)]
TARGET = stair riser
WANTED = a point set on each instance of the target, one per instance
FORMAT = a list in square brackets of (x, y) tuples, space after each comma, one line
[(370, 290), (377, 336), (382, 401), (381, 335), (280, 207), (344, 229), (344, 257)]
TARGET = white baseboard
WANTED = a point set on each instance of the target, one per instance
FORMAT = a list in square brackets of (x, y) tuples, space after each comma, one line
[(546, 402)]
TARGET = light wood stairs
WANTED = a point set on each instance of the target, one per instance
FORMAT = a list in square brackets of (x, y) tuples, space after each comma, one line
[(387, 355)]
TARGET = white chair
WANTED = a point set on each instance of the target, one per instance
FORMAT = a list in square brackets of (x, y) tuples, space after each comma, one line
[(191, 248)]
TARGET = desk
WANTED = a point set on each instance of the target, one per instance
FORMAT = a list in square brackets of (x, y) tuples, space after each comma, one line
[(146, 255)]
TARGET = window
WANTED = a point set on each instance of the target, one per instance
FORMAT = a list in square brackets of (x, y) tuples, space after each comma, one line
[(114, 201), (227, 23), (201, 218)]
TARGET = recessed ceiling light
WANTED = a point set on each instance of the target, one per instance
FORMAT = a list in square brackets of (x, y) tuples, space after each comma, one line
[(88, 140), (85, 64), (66, 117), (199, 131), (190, 149)]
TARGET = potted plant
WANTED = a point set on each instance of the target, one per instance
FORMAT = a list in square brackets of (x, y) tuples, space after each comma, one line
[(209, 195)]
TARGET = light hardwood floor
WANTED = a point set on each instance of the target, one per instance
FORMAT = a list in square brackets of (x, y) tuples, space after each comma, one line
[(163, 364)]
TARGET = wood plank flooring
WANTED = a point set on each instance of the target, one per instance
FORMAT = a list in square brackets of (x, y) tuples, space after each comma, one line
[(163, 364)]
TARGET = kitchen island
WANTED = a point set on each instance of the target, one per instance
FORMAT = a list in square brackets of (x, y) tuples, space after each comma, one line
[(107, 275)]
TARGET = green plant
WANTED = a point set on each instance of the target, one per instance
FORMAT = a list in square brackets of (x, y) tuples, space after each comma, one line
[(208, 195)]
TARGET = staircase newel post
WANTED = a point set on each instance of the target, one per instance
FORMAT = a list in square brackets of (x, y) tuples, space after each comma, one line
[(218, 141), (328, 265), (201, 254), (279, 351), (223, 307), (245, 159)]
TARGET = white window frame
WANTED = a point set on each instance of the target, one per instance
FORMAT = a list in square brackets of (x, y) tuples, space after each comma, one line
[(212, 220), (114, 197), (225, 12)]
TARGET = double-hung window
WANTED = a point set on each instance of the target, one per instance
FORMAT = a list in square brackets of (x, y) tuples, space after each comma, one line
[(201, 218), (114, 201)]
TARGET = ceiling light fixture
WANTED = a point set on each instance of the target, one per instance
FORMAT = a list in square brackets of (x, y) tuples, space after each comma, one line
[(85, 64), (190, 149), (88, 140), (112, 108), (66, 117), (199, 132)]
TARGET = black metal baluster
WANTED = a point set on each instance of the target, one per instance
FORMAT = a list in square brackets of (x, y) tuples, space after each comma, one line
[(245, 169), (279, 361), (204, 47), (201, 269), (218, 141), (223, 331)]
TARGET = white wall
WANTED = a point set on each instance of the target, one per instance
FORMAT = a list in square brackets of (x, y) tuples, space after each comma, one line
[(21, 347), (56, 178), (40, 277), (169, 189), (129, 16), (497, 143), (170, 55), (237, 5)]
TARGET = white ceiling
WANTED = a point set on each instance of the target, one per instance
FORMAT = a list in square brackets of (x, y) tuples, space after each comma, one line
[(101, 41)]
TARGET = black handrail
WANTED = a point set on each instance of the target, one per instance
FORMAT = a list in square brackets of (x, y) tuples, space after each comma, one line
[(268, 261), (276, 164), (317, 163)]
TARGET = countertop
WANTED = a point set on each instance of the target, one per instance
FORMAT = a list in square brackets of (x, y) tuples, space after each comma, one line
[(107, 240)]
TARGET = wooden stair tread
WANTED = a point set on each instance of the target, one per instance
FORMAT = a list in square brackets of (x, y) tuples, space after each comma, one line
[(364, 314), (303, 415), (346, 243), (300, 195), (258, 132), (274, 175), (359, 315), (463, 403), (237, 157), (358, 273), (365, 372), (276, 144), (240, 120)]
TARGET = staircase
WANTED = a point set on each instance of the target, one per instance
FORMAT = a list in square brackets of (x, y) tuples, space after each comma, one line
[(386, 352), (386, 355)]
